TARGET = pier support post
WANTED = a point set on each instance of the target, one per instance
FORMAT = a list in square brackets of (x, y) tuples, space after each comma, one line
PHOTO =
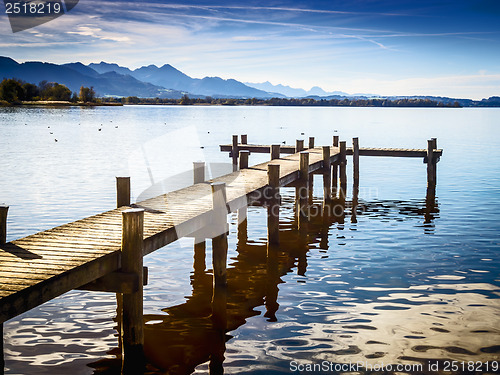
[(133, 321), (275, 152), (327, 175), (299, 145), (198, 172), (355, 161), (199, 242), (355, 186), (311, 142), (122, 191), (219, 240), (435, 146), (3, 239), (244, 139), (199, 256), (343, 171), (273, 208), (244, 159), (235, 152), (303, 191), (3, 223), (430, 164), (335, 168)]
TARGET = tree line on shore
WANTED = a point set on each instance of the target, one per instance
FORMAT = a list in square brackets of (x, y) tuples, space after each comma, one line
[(14, 91), (348, 102)]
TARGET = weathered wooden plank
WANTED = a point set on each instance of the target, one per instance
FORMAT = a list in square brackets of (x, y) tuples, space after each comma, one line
[(24, 300), (74, 254)]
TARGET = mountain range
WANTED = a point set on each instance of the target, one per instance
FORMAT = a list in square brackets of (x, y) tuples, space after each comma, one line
[(293, 92), (112, 80)]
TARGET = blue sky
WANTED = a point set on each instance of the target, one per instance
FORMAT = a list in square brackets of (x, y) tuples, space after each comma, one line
[(439, 47)]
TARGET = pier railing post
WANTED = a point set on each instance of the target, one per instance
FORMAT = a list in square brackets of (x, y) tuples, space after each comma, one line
[(327, 174), (430, 164), (235, 152), (244, 139), (3, 239), (299, 145), (219, 240), (122, 191), (303, 190), (199, 242), (244, 159), (335, 141), (435, 146), (4, 210), (275, 152), (355, 161), (132, 262), (273, 216), (311, 142), (335, 168), (198, 172), (355, 188), (343, 171)]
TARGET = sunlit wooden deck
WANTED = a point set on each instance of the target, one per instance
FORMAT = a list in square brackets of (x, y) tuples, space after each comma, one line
[(105, 251), (42, 266)]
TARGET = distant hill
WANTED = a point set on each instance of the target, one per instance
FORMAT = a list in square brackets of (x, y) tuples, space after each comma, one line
[(75, 75), (168, 76), (293, 92)]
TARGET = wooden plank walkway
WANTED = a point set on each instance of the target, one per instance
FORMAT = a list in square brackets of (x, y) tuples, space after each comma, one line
[(45, 265), (363, 151)]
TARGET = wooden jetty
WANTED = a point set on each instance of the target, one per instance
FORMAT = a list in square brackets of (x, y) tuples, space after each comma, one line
[(104, 252)]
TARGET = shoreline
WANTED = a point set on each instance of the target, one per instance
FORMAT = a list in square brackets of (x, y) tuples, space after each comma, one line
[(57, 103)]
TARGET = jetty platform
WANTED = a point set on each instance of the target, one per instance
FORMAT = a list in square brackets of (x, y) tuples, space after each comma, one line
[(104, 252)]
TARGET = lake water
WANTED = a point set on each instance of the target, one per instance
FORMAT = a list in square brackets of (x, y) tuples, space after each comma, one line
[(391, 288)]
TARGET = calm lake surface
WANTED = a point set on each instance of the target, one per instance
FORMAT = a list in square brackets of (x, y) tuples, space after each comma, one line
[(395, 287)]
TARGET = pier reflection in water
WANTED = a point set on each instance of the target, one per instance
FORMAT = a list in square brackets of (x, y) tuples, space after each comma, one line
[(192, 336)]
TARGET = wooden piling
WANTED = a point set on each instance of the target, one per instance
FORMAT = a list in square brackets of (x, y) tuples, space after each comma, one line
[(122, 191), (199, 257), (311, 142), (235, 152), (275, 152), (198, 172), (132, 262), (327, 174), (3, 239), (335, 168), (303, 191), (273, 173), (244, 159), (304, 165), (335, 141), (219, 240), (242, 226), (3, 223), (435, 146), (244, 139), (430, 164), (299, 145), (355, 161), (199, 242), (343, 171)]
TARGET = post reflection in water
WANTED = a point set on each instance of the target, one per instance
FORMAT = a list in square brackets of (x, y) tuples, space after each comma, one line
[(193, 335)]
